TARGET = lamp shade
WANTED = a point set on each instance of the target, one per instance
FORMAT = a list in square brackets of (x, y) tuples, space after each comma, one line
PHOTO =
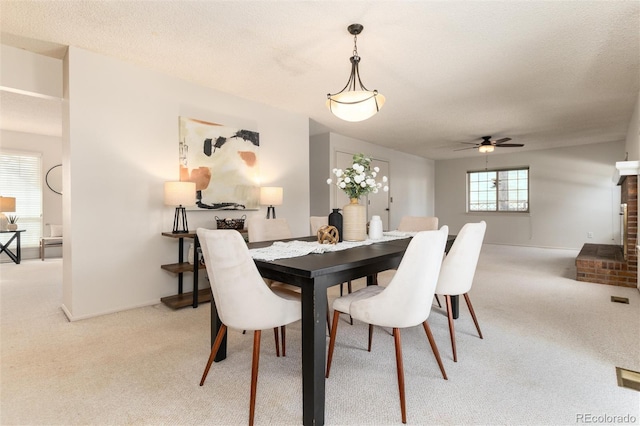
[(179, 193), (271, 196), (355, 105), (7, 204), (485, 148)]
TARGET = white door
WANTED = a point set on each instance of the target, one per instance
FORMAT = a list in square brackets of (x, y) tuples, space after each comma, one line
[(377, 204)]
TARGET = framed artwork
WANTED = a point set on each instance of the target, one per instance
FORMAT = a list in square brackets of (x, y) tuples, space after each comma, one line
[(223, 163)]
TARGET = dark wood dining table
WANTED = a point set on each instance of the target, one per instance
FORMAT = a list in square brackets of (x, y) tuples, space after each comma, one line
[(314, 274)]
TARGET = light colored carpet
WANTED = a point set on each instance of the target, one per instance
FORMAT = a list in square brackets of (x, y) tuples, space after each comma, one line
[(549, 355)]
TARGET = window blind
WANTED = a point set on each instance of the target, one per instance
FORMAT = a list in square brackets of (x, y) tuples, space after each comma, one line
[(21, 177)]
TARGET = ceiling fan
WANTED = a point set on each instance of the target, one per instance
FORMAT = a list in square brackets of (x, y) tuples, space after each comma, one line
[(487, 145)]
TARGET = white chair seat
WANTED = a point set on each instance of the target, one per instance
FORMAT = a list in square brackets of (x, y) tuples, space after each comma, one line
[(343, 303)]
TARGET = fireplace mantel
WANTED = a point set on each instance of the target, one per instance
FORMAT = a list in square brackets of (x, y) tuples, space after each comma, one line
[(624, 169)]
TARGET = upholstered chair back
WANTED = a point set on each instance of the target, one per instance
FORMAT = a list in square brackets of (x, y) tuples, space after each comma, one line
[(459, 266), (406, 301)]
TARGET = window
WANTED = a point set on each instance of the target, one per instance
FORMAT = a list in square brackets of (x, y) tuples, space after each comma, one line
[(505, 190), (21, 177)]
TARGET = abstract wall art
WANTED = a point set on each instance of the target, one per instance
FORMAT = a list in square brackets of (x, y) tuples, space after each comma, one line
[(223, 162)]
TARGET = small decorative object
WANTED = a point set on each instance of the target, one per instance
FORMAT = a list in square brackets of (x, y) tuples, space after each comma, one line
[(356, 181), (375, 228), (335, 219), (328, 235), (229, 223), (13, 222)]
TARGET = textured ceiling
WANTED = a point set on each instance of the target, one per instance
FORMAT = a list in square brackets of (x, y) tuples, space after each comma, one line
[(545, 73)]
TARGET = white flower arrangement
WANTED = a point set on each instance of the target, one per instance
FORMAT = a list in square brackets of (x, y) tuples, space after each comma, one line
[(359, 179)]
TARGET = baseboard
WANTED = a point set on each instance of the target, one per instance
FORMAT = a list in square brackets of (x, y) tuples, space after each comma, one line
[(73, 318)]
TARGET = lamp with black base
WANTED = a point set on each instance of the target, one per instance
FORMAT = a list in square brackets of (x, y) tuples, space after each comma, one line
[(181, 195), (271, 196)]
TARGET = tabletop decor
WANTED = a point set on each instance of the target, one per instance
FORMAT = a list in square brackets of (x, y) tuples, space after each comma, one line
[(13, 222), (328, 235), (335, 219), (357, 181)]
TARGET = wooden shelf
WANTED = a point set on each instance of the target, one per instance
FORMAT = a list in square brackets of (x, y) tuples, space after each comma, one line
[(186, 299), (177, 268)]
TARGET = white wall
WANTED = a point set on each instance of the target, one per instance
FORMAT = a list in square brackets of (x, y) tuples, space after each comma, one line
[(572, 193), (50, 148), (411, 178), (632, 144), (27, 72), (121, 144), (319, 166)]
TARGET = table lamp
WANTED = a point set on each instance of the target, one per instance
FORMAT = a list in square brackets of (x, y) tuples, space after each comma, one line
[(7, 205), (180, 194), (271, 196)]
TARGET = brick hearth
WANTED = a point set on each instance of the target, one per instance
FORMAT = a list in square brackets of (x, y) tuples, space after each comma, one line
[(606, 264)]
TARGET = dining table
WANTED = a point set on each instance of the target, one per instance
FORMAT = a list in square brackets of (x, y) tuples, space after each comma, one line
[(314, 274)]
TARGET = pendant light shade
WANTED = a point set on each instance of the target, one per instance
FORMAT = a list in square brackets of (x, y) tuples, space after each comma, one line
[(355, 102)]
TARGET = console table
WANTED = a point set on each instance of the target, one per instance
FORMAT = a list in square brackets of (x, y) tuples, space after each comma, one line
[(195, 297), (4, 247)]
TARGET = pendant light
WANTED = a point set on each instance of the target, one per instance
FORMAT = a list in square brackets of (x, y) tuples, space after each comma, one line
[(355, 102)]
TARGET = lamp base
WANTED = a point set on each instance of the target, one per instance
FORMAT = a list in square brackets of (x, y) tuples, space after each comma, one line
[(180, 221), (270, 210)]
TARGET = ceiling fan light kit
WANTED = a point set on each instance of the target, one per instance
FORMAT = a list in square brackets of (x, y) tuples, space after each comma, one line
[(487, 145), (355, 102)]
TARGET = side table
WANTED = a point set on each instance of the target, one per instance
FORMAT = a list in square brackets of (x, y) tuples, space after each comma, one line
[(4, 248)]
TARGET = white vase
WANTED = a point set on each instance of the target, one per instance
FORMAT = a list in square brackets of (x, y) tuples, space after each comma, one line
[(12, 227), (375, 228), (354, 221)]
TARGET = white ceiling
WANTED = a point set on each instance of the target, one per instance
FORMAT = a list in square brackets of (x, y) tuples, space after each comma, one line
[(545, 73)]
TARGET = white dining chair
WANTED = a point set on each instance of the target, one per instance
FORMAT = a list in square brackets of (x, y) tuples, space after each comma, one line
[(317, 222), (402, 303), (261, 229), (458, 270), (234, 276), (418, 223)]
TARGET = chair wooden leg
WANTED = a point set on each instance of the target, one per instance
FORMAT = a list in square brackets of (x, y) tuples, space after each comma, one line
[(403, 405), (473, 314), (254, 375), (434, 348), (332, 340), (284, 340), (341, 288), (277, 338), (452, 332), (438, 300), (214, 351), (370, 337)]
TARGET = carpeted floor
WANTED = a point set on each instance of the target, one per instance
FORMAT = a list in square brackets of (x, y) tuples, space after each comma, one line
[(550, 348)]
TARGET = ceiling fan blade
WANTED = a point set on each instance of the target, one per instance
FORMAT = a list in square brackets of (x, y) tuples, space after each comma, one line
[(510, 145), (462, 149), (501, 141)]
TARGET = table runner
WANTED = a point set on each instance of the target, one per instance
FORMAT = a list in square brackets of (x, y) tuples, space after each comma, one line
[(288, 249)]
